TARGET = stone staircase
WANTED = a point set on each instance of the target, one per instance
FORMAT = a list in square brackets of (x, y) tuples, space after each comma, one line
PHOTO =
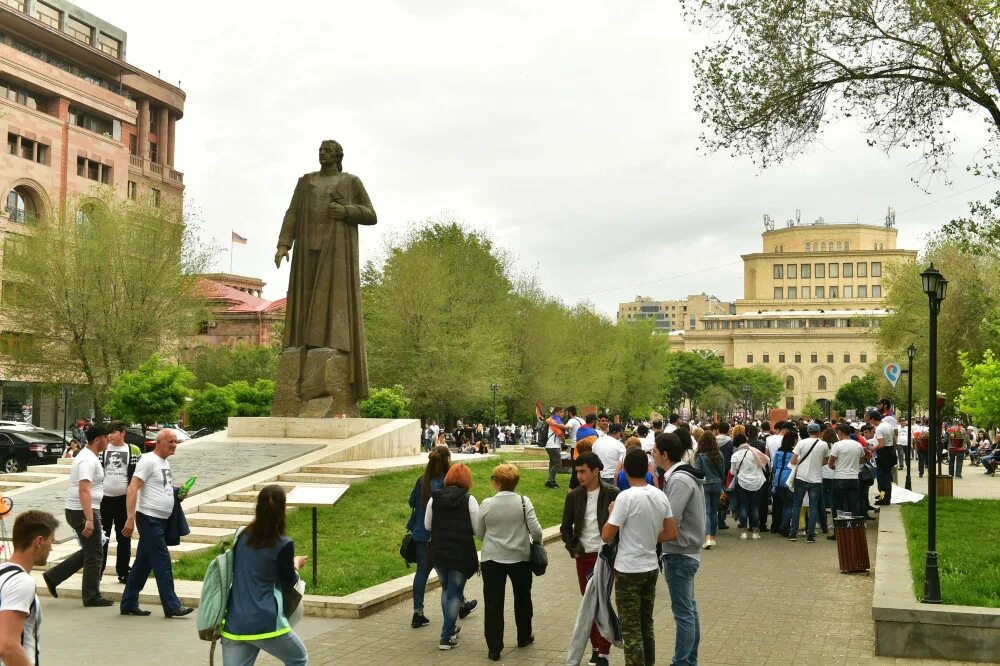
[(35, 474)]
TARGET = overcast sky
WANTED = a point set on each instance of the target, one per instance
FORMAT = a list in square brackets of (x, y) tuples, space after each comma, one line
[(565, 129)]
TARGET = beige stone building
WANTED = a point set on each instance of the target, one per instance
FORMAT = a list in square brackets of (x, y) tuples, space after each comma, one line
[(675, 315), (812, 299), (75, 114)]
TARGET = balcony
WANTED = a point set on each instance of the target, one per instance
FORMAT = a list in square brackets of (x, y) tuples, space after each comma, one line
[(150, 168)]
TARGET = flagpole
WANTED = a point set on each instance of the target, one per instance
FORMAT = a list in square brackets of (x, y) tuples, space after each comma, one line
[(231, 247)]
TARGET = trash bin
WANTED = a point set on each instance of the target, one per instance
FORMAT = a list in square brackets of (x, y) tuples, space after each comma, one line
[(852, 544)]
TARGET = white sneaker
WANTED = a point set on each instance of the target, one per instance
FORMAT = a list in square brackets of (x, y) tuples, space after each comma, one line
[(756, 536), (743, 536), (708, 543), (714, 542)]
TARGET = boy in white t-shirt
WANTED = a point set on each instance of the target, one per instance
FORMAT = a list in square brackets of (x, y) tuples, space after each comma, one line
[(809, 455), (20, 613), (640, 517)]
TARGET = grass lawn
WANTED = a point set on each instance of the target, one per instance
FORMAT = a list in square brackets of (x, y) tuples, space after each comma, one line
[(968, 559), (359, 536)]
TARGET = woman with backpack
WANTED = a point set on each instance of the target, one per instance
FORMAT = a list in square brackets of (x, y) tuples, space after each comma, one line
[(438, 462), (710, 463), (265, 567), (449, 516), (747, 466), (783, 497)]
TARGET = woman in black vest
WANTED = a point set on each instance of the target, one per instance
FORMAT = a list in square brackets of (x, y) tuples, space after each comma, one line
[(449, 517)]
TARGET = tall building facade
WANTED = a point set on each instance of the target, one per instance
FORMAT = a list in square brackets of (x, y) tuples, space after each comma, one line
[(674, 315), (75, 114), (238, 313), (812, 299)]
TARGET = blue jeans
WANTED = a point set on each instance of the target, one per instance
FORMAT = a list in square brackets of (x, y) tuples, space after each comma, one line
[(815, 491), (287, 648), (151, 555), (712, 493), (679, 572), (452, 591), (749, 501), (420, 578), (955, 463)]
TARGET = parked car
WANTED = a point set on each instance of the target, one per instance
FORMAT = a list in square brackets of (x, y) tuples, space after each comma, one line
[(20, 448), (18, 425), (145, 442), (201, 433), (182, 435)]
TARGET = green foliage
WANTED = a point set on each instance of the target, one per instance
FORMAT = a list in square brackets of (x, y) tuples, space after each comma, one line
[(980, 397), (716, 399), (152, 393), (107, 287), (219, 365), (812, 409), (387, 403), (859, 393), (211, 408), (765, 386), (252, 399), (687, 375)]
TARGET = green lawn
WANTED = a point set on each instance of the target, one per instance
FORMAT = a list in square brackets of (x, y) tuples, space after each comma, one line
[(968, 532), (359, 536)]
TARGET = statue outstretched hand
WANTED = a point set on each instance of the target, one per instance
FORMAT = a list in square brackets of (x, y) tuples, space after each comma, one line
[(282, 253)]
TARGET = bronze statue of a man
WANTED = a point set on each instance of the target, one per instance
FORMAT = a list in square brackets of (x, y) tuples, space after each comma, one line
[(323, 367)]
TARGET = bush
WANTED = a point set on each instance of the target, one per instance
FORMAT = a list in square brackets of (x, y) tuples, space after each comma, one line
[(211, 408), (389, 403), (252, 400)]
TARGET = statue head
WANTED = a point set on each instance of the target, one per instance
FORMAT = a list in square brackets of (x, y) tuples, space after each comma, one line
[(330, 153)]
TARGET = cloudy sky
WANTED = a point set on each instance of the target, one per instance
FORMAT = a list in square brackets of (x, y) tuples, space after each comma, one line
[(564, 129)]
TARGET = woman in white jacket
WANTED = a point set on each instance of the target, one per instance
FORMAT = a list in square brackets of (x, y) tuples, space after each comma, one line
[(747, 465)]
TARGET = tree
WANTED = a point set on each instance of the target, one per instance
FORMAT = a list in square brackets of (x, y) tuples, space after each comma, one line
[(387, 403), (688, 374), (980, 396), (97, 289), (716, 399), (211, 407), (765, 386), (215, 364), (859, 393), (812, 409), (152, 393), (252, 399)]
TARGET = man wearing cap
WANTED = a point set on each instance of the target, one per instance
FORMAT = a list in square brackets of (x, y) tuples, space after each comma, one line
[(83, 514), (809, 455), (885, 455)]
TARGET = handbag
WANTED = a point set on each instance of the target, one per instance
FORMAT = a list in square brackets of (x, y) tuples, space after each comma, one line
[(723, 501), (408, 550), (291, 602), (795, 468), (866, 473), (538, 556), (731, 485)]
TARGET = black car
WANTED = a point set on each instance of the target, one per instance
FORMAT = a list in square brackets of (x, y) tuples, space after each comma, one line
[(20, 448), (145, 442)]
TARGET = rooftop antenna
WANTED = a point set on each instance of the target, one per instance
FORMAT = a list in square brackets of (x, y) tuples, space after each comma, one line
[(798, 216), (768, 222), (890, 218)]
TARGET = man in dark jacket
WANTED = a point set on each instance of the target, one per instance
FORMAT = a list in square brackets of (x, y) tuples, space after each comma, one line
[(584, 514)]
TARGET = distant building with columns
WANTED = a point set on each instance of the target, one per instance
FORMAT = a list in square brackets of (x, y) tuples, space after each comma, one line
[(74, 113), (238, 314)]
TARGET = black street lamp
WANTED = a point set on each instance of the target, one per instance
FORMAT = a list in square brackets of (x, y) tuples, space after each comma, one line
[(936, 288), (493, 432), (746, 402), (911, 353)]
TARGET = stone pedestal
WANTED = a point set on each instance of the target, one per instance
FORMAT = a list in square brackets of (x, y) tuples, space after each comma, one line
[(314, 383)]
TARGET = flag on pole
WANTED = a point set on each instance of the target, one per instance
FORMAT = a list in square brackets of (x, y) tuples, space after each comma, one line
[(239, 239)]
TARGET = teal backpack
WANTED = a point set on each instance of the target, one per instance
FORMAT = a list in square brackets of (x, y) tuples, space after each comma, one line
[(215, 595)]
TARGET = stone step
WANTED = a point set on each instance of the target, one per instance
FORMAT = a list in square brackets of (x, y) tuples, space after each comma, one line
[(303, 477), (49, 469), (287, 485), (221, 520), (12, 485), (228, 506), (176, 552), (66, 461), (188, 591), (29, 477), (211, 535), (243, 496)]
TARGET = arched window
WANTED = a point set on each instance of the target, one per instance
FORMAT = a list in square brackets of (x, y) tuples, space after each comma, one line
[(775, 249), (807, 247), (20, 206), (824, 246), (874, 246), (847, 246), (821, 384), (789, 382), (782, 248), (840, 246), (854, 378), (830, 246)]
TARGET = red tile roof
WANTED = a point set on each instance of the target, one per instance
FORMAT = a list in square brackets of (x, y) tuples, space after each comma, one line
[(236, 300)]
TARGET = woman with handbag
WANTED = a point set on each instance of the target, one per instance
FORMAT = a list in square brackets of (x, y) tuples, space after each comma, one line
[(438, 461), (449, 516), (747, 465), (709, 462), (507, 525), (265, 573)]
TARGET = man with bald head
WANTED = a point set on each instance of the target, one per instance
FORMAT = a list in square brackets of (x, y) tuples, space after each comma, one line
[(149, 503)]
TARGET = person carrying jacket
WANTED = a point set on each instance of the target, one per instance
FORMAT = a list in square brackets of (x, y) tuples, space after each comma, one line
[(585, 511)]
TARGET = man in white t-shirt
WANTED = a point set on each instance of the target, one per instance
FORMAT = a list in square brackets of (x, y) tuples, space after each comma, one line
[(150, 502), (83, 514), (20, 613), (119, 462), (901, 445), (809, 455), (845, 461), (672, 423), (610, 449), (885, 455), (640, 517)]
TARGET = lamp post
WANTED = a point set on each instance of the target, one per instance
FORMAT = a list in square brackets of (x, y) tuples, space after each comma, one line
[(911, 353), (746, 402), (493, 431), (936, 288)]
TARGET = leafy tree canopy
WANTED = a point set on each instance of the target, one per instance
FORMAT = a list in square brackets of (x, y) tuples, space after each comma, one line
[(859, 393), (219, 365), (152, 393), (211, 408), (980, 396), (388, 403)]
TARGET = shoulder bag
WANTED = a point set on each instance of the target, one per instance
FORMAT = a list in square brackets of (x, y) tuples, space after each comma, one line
[(795, 468), (732, 482), (538, 557)]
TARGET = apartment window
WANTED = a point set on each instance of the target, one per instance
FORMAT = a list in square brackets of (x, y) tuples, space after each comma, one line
[(847, 270), (821, 384), (833, 270), (798, 358), (862, 269), (781, 358), (778, 270), (155, 194), (847, 358), (790, 271), (109, 45), (27, 149), (749, 358), (96, 123), (833, 292), (876, 291), (16, 4), (78, 29), (805, 270), (133, 144), (133, 189), (778, 293), (805, 292), (793, 292), (11, 293), (848, 291), (767, 358), (47, 15), (876, 269), (11, 144), (153, 153), (814, 358), (829, 358), (820, 270), (15, 93), (864, 358), (789, 403), (862, 291), (722, 359), (789, 383), (820, 292)]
